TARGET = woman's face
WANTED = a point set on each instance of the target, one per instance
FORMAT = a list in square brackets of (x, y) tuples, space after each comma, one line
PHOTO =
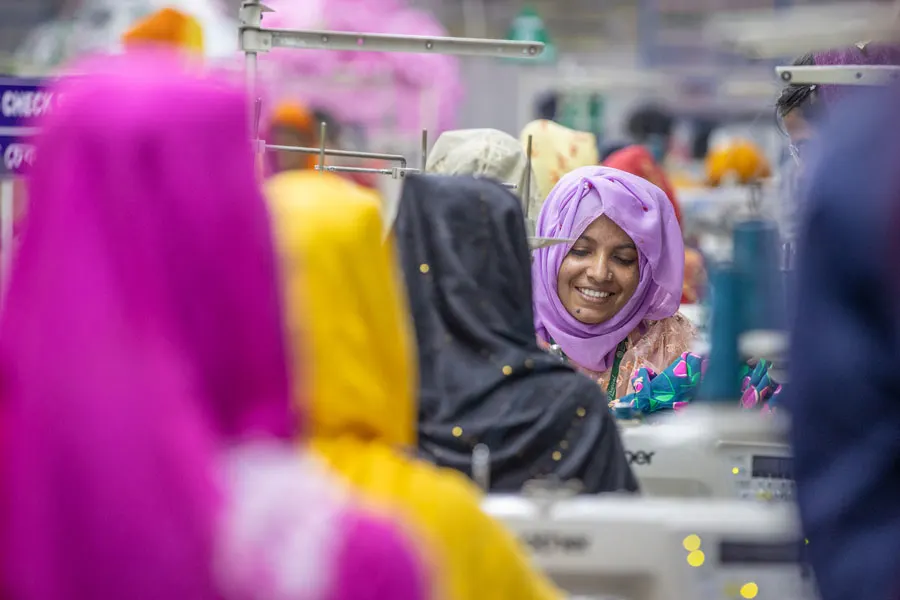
[(799, 131), (599, 274)]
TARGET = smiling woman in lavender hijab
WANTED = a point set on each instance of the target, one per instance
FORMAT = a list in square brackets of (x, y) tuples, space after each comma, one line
[(609, 301)]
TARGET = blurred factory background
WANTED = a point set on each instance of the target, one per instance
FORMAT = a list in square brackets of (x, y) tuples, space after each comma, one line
[(604, 59), (605, 62), (596, 47)]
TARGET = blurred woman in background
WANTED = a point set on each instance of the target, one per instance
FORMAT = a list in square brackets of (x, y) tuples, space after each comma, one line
[(651, 127), (293, 125), (800, 107), (555, 151), (350, 326), (608, 302), (482, 377), (148, 431), (848, 472), (801, 111)]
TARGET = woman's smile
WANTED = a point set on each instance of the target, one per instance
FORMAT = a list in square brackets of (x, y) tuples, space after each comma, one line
[(595, 296)]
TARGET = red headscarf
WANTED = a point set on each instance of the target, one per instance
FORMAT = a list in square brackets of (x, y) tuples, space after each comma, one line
[(637, 160)]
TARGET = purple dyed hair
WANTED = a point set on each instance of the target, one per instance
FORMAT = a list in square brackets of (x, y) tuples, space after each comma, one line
[(142, 335)]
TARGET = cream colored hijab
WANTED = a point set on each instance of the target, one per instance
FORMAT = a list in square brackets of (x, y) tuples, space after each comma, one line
[(490, 153), (483, 153), (555, 151)]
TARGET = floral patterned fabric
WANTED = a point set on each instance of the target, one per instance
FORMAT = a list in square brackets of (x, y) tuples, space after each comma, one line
[(669, 390), (655, 344), (676, 387), (758, 389), (650, 387)]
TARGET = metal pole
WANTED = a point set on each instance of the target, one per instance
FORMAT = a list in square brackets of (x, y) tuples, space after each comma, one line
[(322, 131), (481, 467), (424, 148), (250, 17), (7, 216), (526, 186), (342, 153)]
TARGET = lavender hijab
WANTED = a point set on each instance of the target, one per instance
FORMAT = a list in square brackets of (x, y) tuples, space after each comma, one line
[(645, 213), (141, 337)]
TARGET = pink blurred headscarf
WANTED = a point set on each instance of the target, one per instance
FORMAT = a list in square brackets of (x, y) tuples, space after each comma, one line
[(145, 393), (410, 91), (645, 213)]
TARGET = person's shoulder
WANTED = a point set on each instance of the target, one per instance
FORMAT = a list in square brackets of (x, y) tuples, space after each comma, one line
[(680, 323), (676, 324), (665, 340)]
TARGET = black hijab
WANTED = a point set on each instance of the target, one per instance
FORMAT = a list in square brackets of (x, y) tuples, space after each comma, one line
[(483, 379)]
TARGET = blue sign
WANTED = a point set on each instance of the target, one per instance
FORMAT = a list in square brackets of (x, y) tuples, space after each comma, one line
[(17, 154), (22, 101)]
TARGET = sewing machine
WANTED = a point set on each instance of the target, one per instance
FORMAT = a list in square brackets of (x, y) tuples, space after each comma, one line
[(632, 548), (711, 451)]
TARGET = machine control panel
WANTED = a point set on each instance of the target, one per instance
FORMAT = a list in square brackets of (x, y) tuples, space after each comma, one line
[(763, 477)]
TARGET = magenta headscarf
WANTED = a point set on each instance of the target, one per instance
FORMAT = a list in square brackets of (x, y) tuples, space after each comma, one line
[(142, 336), (645, 213)]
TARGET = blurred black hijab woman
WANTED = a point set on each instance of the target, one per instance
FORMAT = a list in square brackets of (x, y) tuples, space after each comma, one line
[(482, 377)]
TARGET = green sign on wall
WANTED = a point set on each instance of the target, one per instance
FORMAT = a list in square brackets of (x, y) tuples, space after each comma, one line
[(528, 26)]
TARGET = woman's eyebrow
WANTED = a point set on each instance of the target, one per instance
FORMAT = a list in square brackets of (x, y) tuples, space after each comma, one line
[(626, 246)]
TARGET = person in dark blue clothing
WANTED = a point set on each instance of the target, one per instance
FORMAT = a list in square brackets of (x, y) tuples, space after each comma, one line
[(845, 357)]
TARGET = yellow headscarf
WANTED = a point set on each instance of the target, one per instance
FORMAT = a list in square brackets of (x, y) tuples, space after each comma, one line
[(349, 322), (555, 151), (739, 159)]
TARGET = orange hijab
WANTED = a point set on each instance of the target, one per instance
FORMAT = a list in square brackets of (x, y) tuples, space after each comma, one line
[(637, 160), (294, 116)]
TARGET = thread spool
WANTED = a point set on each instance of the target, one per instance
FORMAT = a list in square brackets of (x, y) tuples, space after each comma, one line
[(721, 382), (757, 260)]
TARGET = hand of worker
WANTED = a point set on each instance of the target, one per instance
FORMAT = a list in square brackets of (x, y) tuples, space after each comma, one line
[(758, 389)]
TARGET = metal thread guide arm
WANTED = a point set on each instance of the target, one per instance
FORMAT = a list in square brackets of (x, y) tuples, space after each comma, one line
[(859, 75), (255, 39)]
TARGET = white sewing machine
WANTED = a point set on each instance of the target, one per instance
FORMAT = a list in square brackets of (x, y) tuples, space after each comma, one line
[(630, 548), (711, 451)]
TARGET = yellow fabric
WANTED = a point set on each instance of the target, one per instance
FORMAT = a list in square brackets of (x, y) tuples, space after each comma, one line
[(740, 159), (356, 384), (555, 151), (168, 27)]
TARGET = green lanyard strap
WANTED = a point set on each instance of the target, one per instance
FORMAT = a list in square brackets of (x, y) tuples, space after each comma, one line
[(614, 372)]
